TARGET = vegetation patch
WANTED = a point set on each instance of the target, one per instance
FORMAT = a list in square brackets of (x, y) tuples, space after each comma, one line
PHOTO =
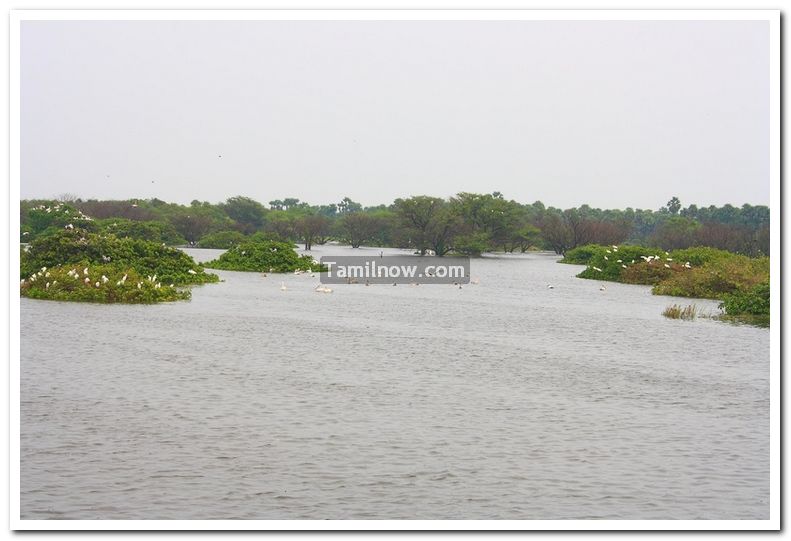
[(222, 240), (676, 311), (75, 246), (264, 256), (98, 283)]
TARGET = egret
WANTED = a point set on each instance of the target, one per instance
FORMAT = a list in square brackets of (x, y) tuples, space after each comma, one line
[(283, 286), (192, 271), (597, 269), (667, 266), (87, 280), (85, 271), (97, 284), (624, 266), (606, 258)]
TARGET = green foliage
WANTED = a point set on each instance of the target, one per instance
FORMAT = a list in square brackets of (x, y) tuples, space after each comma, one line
[(717, 278), (110, 283), (753, 301), (146, 258), (51, 216), (699, 255), (222, 240), (608, 263), (473, 244), (582, 255), (143, 230), (263, 256)]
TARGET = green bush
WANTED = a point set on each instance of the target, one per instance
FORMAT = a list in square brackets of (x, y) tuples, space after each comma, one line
[(753, 301), (221, 240), (68, 246), (699, 255), (473, 245), (581, 255), (50, 217), (263, 256), (609, 262), (143, 230), (110, 283), (716, 278)]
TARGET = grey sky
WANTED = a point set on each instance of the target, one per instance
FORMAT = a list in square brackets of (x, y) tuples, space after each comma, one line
[(613, 114)]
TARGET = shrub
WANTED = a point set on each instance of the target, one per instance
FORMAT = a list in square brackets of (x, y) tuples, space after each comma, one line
[(753, 301), (473, 244), (143, 230), (609, 262), (146, 258), (221, 240), (699, 255), (263, 256), (716, 278), (111, 283), (581, 255)]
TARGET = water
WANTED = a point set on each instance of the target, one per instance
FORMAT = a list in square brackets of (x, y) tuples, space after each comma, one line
[(505, 400)]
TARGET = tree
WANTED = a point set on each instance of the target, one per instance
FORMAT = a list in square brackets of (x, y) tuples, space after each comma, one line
[(347, 205), (418, 216), (310, 227), (357, 228), (247, 212), (673, 206)]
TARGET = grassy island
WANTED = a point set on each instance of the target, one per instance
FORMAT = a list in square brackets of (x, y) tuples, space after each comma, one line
[(264, 256), (740, 282), (73, 264)]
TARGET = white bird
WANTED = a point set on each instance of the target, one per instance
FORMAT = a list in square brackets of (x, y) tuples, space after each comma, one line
[(139, 285), (597, 269), (47, 286), (87, 280), (97, 284), (624, 266), (606, 258), (602, 288), (105, 279), (283, 286), (192, 271), (85, 271), (667, 266)]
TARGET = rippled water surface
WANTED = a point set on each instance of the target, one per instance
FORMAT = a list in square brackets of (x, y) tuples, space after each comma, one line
[(501, 400)]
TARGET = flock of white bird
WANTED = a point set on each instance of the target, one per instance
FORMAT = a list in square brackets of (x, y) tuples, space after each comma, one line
[(648, 259)]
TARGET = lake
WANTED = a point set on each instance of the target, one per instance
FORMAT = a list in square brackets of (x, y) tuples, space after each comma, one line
[(502, 400)]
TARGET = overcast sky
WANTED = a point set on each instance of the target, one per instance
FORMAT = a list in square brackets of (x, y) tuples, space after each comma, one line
[(612, 114)]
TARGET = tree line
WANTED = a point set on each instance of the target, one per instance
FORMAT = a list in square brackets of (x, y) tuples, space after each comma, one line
[(466, 223)]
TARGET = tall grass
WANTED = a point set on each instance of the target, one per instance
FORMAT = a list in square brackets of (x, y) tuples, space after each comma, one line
[(676, 311)]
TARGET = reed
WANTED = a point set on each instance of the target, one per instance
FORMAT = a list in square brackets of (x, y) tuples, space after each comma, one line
[(676, 311)]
